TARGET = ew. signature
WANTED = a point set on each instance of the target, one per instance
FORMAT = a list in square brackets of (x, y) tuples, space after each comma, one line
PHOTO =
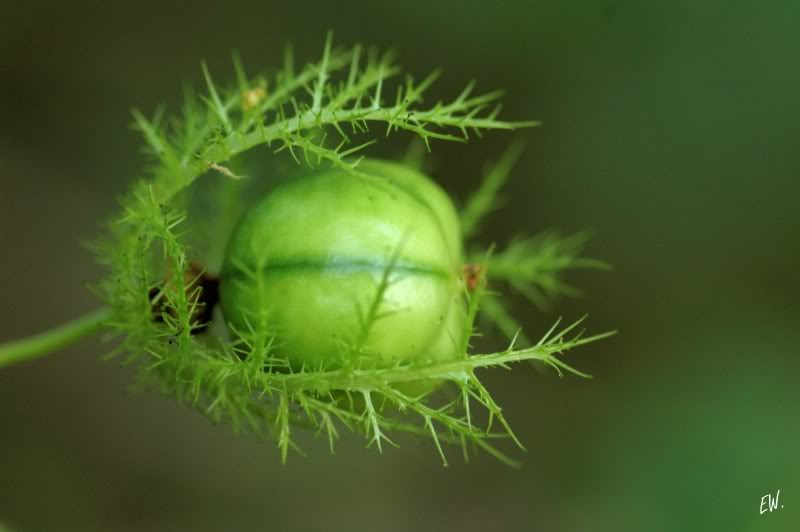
[(769, 503)]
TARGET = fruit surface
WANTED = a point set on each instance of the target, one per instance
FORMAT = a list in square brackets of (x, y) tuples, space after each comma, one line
[(308, 261)]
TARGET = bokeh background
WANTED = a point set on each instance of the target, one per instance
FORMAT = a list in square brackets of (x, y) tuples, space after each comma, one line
[(670, 130)]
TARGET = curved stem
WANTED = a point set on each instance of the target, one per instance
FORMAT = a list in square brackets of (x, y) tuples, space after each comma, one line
[(46, 342)]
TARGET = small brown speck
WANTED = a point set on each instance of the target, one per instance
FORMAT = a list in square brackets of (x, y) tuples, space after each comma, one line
[(473, 274)]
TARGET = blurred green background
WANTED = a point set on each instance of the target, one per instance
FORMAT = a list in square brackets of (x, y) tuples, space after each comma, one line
[(670, 130)]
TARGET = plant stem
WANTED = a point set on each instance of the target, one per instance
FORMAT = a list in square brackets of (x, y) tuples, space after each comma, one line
[(59, 337)]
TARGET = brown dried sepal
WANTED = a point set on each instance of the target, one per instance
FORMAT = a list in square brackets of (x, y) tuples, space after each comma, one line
[(473, 275)]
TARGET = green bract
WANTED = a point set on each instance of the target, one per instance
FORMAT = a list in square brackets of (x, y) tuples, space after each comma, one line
[(359, 270), (341, 290)]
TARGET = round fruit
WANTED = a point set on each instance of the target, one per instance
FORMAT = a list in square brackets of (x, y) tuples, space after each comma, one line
[(350, 270)]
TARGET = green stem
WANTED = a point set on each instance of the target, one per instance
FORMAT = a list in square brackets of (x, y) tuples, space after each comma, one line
[(57, 338)]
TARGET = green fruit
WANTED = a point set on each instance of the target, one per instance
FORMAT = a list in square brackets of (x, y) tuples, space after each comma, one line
[(308, 259)]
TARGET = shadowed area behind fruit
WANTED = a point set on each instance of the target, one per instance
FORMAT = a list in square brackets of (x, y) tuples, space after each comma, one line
[(669, 131)]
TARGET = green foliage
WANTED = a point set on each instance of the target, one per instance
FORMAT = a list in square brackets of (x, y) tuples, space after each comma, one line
[(486, 198), (534, 266), (314, 114)]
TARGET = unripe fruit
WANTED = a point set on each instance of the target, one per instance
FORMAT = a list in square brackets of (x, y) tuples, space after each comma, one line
[(309, 257)]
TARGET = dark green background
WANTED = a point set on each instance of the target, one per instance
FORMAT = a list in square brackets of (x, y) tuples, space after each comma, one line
[(671, 130)]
